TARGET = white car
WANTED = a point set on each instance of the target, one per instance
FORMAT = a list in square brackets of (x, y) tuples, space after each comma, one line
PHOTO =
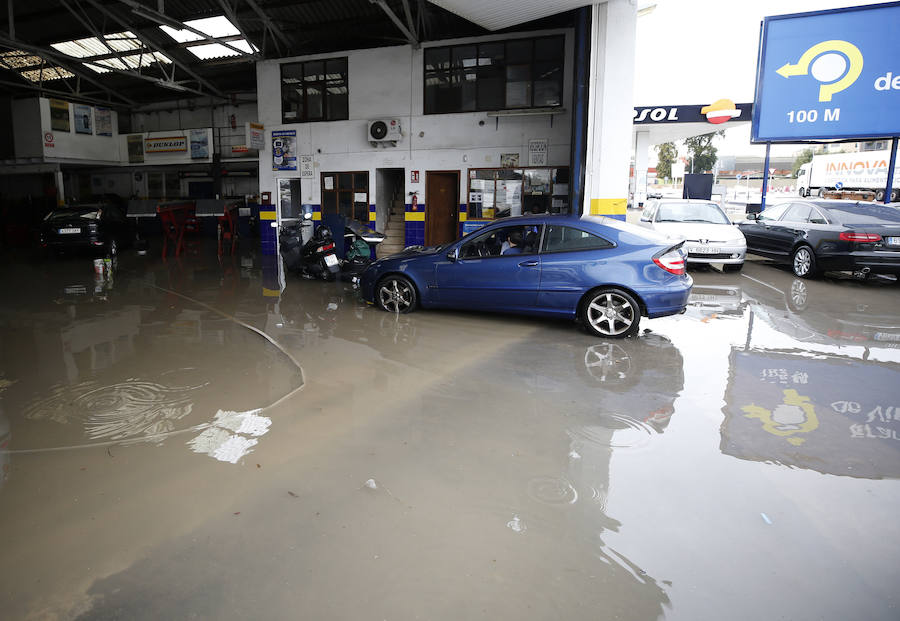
[(710, 237)]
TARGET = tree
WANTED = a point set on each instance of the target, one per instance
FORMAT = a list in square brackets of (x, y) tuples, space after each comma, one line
[(804, 157), (666, 156), (701, 152)]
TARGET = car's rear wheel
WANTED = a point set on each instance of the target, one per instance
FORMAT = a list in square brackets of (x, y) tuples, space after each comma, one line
[(396, 294), (879, 195), (895, 194), (803, 262), (611, 313), (732, 267)]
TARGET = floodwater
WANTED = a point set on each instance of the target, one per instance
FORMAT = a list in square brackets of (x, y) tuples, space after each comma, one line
[(196, 439)]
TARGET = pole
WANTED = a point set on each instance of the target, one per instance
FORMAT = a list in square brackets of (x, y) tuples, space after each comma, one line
[(890, 179), (765, 182)]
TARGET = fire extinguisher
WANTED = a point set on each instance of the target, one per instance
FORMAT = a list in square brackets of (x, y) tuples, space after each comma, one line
[(233, 120)]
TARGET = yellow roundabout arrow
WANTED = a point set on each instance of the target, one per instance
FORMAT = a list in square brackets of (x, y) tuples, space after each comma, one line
[(801, 67)]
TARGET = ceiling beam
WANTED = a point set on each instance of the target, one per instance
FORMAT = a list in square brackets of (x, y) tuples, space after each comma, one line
[(277, 32), (414, 41), (229, 13), (63, 61), (64, 94)]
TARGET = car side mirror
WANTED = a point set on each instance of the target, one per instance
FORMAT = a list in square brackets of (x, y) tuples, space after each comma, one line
[(753, 216), (451, 256)]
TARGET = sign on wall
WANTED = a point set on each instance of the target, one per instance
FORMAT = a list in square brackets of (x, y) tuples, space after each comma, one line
[(284, 149), (135, 149), (103, 121), (716, 113), (828, 75), (59, 115), (414, 176), (256, 136), (199, 144), (83, 119), (306, 167), (168, 144), (537, 152)]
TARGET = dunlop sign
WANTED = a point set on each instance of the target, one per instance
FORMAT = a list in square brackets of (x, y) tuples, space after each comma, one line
[(171, 144)]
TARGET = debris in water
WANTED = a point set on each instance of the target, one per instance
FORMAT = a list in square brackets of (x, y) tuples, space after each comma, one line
[(293, 495), (516, 524), (766, 519), (573, 455), (371, 484)]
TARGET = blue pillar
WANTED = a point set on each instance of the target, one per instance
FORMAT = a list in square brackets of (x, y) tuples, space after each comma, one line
[(765, 183)]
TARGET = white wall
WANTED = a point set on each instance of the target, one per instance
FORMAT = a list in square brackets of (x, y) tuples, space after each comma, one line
[(388, 83), (78, 147)]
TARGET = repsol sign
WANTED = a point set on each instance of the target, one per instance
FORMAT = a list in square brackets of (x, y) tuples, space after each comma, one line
[(718, 112)]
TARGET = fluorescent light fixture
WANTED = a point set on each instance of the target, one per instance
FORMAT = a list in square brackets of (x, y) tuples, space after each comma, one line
[(174, 86)]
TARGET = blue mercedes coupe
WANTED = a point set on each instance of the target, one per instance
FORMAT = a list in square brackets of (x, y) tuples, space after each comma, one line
[(602, 271)]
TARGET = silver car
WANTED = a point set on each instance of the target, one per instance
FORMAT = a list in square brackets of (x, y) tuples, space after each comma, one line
[(710, 237)]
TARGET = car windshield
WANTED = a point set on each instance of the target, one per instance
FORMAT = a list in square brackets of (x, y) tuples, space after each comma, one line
[(866, 214), (88, 213), (691, 212)]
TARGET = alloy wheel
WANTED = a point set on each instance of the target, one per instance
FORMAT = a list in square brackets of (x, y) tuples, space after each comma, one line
[(802, 262), (610, 314), (396, 295)]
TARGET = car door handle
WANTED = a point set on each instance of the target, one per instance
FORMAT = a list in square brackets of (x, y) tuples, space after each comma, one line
[(531, 263)]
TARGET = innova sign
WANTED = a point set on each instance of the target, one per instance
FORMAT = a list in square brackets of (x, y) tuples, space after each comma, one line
[(828, 75)]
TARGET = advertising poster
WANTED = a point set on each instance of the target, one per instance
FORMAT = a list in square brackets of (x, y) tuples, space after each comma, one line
[(83, 119), (103, 121), (199, 144), (256, 136), (509, 160), (168, 144), (135, 149), (59, 115), (284, 150)]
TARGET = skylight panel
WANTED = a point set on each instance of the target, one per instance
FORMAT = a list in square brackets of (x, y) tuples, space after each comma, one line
[(46, 74), (92, 46), (215, 27), (126, 62), (217, 50), (17, 59)]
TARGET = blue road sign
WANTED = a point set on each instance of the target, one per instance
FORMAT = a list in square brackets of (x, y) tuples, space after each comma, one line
[(829, 75), (839, 185)]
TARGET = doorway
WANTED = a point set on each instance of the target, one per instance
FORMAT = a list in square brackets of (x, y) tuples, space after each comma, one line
[(390, 194), (441, 206)]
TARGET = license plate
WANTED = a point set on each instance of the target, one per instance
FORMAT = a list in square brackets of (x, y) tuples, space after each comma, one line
[(892, 241), (331, 260), (887, 336), (69, 231), (703, 250)]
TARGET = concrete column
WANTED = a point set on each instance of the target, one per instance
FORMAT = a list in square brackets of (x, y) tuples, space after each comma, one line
[(60, 187), (641, 146), (610, 108)]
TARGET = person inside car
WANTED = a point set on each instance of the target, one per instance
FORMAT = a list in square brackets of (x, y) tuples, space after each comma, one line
[(515, 243)]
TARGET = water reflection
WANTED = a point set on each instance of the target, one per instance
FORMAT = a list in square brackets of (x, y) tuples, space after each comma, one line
[(801, 394)]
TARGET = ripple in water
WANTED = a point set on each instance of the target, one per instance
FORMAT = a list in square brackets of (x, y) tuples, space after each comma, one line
[(127, 410), (552, 491), (614, 431)]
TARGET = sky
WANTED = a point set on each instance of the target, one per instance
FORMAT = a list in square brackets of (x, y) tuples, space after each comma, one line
[(698, 51)]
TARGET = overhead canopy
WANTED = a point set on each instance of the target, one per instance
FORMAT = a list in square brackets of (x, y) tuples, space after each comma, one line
[(500, 14), (670, 123)]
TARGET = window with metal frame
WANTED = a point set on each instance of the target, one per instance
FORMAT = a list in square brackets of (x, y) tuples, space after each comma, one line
[(346, 194), (500, 192), (496, 75), (315, 90)]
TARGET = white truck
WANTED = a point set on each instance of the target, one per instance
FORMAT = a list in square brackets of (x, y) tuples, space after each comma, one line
[(866, 170)]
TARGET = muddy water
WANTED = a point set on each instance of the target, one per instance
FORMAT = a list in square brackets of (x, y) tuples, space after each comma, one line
[(161, 459)]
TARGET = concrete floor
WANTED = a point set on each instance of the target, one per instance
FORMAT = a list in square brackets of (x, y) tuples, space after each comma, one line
[(162, 460)]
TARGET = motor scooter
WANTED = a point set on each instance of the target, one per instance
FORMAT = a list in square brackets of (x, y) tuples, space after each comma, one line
[(314, 259)]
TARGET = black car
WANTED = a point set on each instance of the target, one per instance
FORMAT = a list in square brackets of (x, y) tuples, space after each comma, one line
[(817, 236), (98, 227)]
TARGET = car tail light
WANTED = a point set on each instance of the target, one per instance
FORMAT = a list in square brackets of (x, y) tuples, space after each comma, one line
[(860, 237), (671, 260)]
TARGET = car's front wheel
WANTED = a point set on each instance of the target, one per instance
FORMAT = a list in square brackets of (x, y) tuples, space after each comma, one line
[(803, 262), (396, 294), (611, 313)]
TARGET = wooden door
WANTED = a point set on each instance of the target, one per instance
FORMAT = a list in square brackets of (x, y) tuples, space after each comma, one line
[(441, 207)]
